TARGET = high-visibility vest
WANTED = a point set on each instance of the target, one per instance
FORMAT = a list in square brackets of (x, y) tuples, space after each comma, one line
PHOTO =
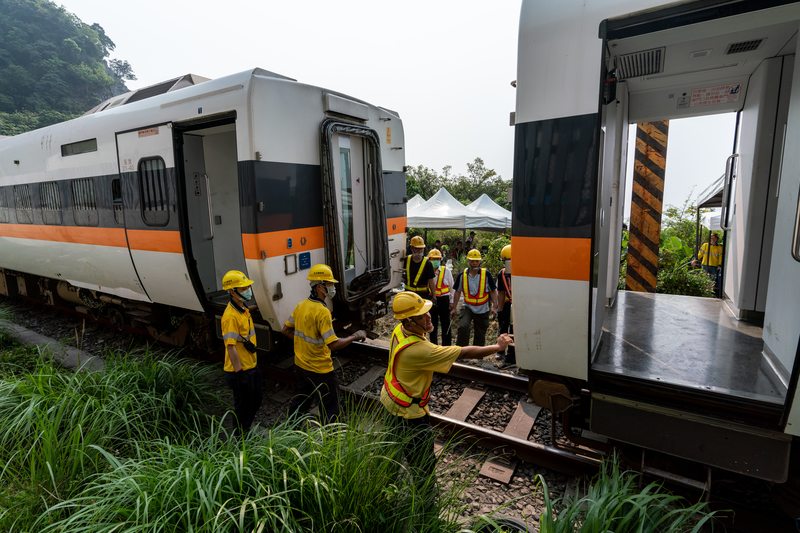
[(400, 341), (441, 288), (413, 286), (506, 286), (482, 296)]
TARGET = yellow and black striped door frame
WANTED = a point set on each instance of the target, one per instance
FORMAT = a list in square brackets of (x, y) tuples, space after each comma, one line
[(647, 205)]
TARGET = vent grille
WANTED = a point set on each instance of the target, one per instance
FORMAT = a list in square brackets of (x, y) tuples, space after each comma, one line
[(641, 64), (746, 46)]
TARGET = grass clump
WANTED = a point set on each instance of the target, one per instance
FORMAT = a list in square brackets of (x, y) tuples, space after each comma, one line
[(338, 477), (58, 426), (615, 502)]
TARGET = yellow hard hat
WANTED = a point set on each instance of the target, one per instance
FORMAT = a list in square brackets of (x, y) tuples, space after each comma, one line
[(417, 242), (234, 279), (474, 255), (434, 254), (408, 304), (505, 253), (321, 273)]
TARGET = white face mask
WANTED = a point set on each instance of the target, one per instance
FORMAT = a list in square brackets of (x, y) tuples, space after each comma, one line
[(247, 295), (331, 290), (508, 266)]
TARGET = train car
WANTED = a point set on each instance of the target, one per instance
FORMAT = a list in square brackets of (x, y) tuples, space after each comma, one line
[(711, 381), (135, 210)]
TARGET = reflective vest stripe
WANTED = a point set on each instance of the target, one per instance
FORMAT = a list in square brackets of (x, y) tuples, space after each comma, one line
[(401, 341), (506, 286), (414, 287), (441, 288), (482, 296)]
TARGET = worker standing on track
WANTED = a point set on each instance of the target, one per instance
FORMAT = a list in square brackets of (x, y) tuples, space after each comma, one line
[(407, 384), (311, 327), (509, 357), (419, 271), (480, 300), (440, 314), (239, 336)]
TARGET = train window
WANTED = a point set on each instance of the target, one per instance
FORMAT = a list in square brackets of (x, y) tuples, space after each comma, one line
[(3, 206), (116, 201), (23, 204), (50, 199), (153, 182), (80, 147), (84, 203)]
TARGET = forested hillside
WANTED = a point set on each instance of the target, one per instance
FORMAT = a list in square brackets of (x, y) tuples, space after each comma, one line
[(53, 66)]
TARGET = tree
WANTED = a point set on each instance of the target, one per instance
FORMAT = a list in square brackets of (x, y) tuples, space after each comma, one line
[(122, 69), (466, 189), (52, 64)]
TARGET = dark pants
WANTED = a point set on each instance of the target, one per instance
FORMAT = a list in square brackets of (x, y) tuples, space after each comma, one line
[(441, 313), (481, 325), (504, 319), (416, 437), (322, 387), (246, 397)]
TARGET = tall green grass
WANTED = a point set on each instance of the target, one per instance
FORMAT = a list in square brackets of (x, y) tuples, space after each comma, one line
[(58, 427), (614, 502), (341, 477)]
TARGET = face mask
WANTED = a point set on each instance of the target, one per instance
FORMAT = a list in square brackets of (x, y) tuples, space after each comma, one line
[(416, 256), (331, 290), (246, 295), (436, 264), (508, 266)]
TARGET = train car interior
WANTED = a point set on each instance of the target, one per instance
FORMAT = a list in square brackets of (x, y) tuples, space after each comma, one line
[(729, 358), (210, 175)]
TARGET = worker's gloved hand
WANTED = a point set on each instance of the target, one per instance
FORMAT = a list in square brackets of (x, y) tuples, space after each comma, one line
[(243, 382), (360, 335), (433, 301)]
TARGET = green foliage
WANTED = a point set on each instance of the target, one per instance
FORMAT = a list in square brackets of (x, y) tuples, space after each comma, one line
[(679, 278), (466, 189), (614, 502), (52, 65), (58, 425)]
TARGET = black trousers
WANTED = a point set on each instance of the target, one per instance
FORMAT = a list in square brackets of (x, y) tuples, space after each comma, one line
[(504, 319), (441, 314), (246, 397), (323, 387)]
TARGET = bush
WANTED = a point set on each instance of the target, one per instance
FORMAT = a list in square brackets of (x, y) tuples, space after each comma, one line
[(680, 279)]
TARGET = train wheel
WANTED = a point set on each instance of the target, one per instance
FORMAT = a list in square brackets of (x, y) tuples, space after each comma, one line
[(117, 319)]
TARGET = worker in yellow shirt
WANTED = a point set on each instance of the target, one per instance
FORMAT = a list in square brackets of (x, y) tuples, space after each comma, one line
[(407, 385), (239, 336), (712, 260), (311, 327)]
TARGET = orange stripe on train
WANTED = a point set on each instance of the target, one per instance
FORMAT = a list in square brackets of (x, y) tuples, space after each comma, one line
[(550, 257), (276, 243), (396, 225), (70, 234)]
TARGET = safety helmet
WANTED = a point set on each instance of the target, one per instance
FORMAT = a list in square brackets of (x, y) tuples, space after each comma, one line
[(474, 255), (234, 279), (434, 254), (408, 304), (505, 253), (417, 242), (321, 273)]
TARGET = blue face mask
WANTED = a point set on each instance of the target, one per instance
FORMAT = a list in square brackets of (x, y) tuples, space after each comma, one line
[(248, 294), (436, 264)]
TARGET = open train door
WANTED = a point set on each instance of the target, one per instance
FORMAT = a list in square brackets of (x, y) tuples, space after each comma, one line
[(356, 237), (152, 225)]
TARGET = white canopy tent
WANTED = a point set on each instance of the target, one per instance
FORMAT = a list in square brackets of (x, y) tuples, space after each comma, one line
[(442, 211), (494, 216), (711, 221), (414, 202)]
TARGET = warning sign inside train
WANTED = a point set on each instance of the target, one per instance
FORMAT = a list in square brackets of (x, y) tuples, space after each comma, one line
[(720, 94), (148, 132)]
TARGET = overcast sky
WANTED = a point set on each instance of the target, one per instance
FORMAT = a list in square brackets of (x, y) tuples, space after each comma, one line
[(445, 66)]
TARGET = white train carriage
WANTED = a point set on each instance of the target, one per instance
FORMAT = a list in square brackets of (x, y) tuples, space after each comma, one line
[(153, 195), (710, 380)]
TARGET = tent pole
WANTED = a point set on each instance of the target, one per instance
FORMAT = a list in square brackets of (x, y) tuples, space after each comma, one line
[(426, 236), (697, 235)]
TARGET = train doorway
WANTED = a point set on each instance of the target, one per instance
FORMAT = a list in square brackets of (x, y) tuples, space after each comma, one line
[(210, 177), (713, 356)]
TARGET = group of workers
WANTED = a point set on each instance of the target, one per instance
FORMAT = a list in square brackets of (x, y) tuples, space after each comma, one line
[(413, 358), (427, 277)]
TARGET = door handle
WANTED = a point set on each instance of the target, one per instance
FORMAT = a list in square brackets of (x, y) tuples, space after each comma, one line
[(726, 189), (210, 214)]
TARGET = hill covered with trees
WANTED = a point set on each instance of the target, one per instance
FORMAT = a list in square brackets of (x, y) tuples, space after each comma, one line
[(53, 66)]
